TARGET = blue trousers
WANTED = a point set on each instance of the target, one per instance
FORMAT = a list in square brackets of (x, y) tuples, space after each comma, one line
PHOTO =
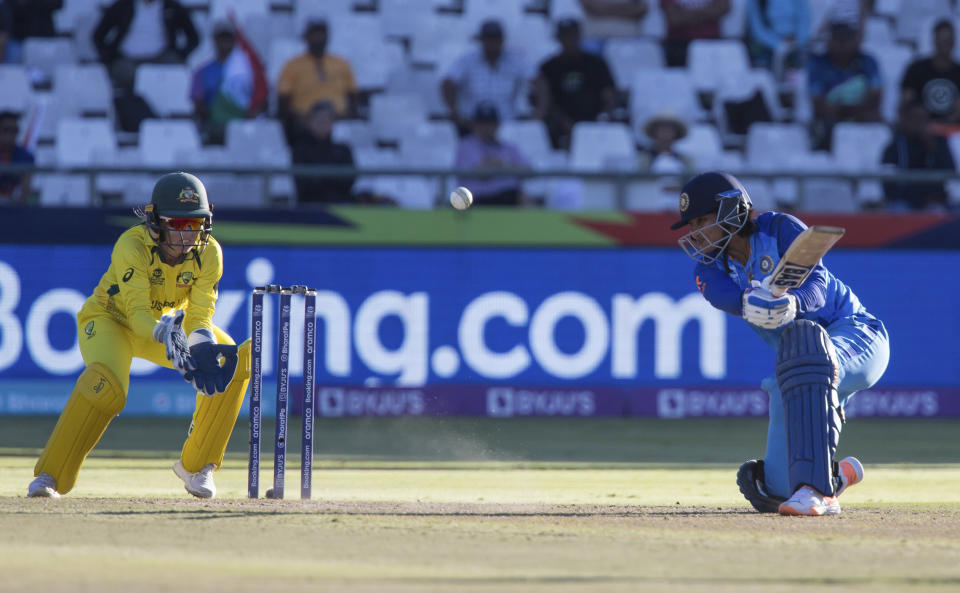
[(863, 350)]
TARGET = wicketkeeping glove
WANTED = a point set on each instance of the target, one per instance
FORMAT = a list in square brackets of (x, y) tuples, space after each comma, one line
[(213, 364), (764, 310), (169, 332)]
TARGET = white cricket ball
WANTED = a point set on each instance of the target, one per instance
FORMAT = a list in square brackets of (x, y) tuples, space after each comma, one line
[(461, 198)]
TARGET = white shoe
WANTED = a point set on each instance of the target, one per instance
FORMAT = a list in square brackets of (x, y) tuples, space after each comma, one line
[(807, 501), (43, 486), (199, 484)]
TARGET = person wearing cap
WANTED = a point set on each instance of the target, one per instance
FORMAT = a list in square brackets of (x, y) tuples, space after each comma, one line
[(140, 31), (312, 77), (688, 20), (572, 86), (776, 27), (844, 85), (663, 130), (828, 345), (481, 150), (488, 73), (155, 301)]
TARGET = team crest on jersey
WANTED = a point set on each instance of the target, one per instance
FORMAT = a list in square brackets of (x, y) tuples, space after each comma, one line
[(684, 202), (157, 277), (88, 329), (184, 279), (189, 196), (766, 264)]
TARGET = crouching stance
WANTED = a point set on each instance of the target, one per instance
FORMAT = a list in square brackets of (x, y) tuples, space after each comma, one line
[(828, 346), (155, 301)]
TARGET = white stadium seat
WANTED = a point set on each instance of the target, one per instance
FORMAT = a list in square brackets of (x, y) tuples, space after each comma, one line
[(86, 87), (166, 87), (713, 61), (46, 54), (529, 136), (734, 23), (58, 189), (859, 147), (914, 13), (773, 146), (78, 139), (162, 140), (221, 9), (384, 111), (701, 144), (598, 146), (401, 18), (668, 89), (625, 55), (433, 144), (17, 92), (893, 61), (257, 143)]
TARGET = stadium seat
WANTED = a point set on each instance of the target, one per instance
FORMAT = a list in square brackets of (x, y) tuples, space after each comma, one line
[(702, 145), (162, 140), (281, 51), (893, 61), (878, 31), (822, 194), (624, 55), (599, 146), (384, 109), (509, 12), (262, 31), (859, 147), (166, 87), (713, 61), (888, 8), (432, 144), (742, 88), (776, 147), (401, 18), (440, 31), (257, 143), (561, 9), (530, 137), (667, 89), (17, 92), (78, 139), (240, 9), (85, 87), (913, 14), (45, 54), (58, 189), (354, 132)]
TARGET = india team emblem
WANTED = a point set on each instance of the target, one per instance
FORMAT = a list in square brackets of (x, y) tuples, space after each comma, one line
[(766, 264), (684, 202), (189, 196)]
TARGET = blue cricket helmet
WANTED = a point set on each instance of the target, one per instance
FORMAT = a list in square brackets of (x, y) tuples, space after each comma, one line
[(706, 192)]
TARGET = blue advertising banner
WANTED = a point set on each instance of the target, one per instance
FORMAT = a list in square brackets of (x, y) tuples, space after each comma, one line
[(427, 320)]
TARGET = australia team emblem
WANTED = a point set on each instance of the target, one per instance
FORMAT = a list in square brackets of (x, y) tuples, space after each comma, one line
[(189, 196), (184, 279)]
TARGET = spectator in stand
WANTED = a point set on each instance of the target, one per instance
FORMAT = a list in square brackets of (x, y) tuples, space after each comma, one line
[(777, 28), (844, 85), (142, 31), (606, 19), (853, 12), (489, 73), (314, 145), (913, 147), (20, 19), (14, 187), (312, 77), (572, 86), (688, 20), (230, 86), (935, 81), (664, 130), (480, 150)]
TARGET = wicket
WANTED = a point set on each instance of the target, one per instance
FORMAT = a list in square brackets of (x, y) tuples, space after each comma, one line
[(283, 389)]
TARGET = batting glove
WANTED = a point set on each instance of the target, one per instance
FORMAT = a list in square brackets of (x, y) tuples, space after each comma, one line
[(764, 310)]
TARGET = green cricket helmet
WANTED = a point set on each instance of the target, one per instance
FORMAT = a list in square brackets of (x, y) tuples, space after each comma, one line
[(179, 213)]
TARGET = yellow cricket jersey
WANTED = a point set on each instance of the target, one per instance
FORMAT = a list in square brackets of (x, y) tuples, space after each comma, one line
[(138, 287)]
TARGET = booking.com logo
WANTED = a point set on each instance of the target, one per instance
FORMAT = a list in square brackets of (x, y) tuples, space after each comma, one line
[(610, 334)]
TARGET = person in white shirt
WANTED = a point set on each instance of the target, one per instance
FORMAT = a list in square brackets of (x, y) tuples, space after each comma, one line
[(145, 31), (489, 73)]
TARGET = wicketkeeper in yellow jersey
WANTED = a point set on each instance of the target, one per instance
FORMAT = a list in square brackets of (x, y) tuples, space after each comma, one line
[(155, 301)]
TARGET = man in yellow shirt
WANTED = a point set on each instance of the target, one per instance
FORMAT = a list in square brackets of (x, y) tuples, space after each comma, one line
[(313, 77), (160, 288)]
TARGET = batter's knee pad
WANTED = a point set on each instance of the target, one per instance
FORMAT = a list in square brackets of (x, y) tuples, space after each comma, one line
[(215, 417), (97, 397), (807, 374)]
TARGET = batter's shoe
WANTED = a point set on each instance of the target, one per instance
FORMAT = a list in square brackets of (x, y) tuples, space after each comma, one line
[(43, 486), (751, 482), (850, 472), (807, 501), (199, 484)]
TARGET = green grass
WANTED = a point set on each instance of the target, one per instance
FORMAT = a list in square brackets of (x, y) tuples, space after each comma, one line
[(456, 504)]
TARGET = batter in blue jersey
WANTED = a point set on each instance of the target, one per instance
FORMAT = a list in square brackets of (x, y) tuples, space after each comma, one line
[(828, 346)]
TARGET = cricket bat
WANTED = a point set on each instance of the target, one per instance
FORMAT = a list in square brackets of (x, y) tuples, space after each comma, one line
[(802, 256)]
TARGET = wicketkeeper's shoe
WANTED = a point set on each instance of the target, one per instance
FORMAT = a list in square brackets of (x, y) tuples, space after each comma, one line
[(850, 471), (807, 501), (43, 486), (199, 484)]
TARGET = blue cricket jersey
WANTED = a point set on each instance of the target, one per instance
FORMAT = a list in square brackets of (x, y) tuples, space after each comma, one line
[(821, 298)]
